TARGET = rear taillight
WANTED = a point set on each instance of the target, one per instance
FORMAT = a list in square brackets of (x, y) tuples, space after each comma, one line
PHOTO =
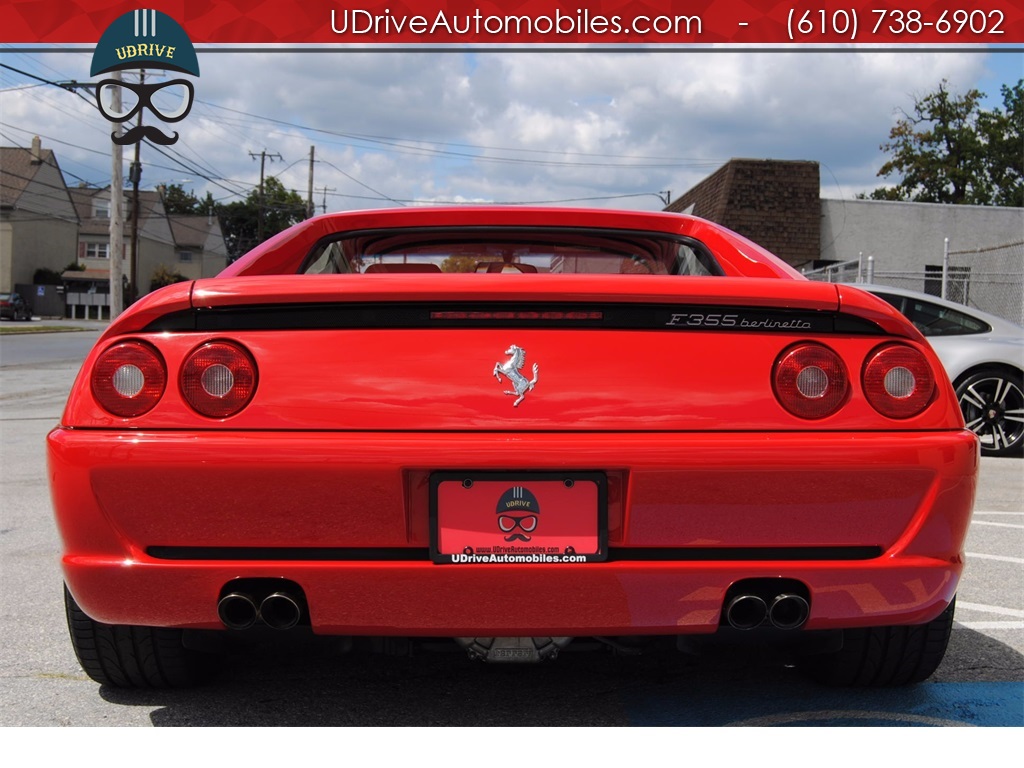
[(218, 379), (810, 381), (129, 378), (898, 381)]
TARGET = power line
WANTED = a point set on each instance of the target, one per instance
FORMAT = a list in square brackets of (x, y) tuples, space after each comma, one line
[(365, 186), (72, 87), (36, 77), (387, 144)]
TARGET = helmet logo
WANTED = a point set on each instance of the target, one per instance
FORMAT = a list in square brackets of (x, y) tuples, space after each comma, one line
[(512, 370), (517, 513), (138, 40)]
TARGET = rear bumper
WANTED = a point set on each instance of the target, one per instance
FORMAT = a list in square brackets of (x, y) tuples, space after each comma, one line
[(314, 507)]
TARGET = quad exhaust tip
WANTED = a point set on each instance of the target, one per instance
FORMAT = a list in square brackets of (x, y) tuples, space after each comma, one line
[(786, 610), (237, 610), (278, 610), (746, 612)]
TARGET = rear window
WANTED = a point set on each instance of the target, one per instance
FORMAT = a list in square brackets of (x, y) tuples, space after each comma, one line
[(935, 320), (512, 251)]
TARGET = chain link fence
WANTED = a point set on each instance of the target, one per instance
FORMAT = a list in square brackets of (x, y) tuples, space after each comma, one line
[(990, 279)]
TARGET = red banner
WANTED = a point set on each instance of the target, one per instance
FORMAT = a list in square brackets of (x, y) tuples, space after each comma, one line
[(619, 23)]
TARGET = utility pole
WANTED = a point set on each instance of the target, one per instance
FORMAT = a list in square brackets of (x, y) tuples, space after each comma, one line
[(325, 190), (263, 161), (135, 176), (310, 205), (116, 208)]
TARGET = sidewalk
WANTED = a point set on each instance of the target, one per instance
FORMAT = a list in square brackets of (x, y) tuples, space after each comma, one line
[(54, 325)]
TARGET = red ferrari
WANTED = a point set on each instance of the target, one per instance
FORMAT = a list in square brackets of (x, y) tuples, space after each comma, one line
[(512, 427)]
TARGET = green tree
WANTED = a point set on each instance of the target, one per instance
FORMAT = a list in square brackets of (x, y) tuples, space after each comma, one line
[(163, 276), (459, 264), (44, 276), (1003, 133), (952, 151), (240, 221), (178, 202)]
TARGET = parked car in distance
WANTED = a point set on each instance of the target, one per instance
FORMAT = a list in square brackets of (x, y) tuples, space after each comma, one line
[(13, 307), (984, 357)]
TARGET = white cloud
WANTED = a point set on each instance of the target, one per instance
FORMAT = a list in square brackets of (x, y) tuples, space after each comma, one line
[(500, 126)]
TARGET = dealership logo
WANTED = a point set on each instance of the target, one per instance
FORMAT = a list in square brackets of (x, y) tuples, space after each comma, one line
[(517, 513), (144, 39)]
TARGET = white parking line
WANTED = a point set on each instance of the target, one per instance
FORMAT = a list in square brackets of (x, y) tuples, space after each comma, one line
[(980, 625), (995, 525), (982, 608), (1000, 558), (1008, 514)]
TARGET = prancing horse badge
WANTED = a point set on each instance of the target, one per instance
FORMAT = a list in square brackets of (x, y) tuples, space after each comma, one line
[(512, 370)]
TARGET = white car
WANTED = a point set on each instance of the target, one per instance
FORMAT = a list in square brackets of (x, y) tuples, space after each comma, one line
[(984, 358)]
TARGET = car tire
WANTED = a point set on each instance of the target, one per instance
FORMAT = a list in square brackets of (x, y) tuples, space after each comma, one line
[(125, 656), (879, 657), (987, 397)]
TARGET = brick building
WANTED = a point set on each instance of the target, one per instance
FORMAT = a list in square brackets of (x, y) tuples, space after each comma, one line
[(775, 203)]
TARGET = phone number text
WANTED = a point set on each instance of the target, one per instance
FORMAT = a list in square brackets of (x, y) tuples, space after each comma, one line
[(886, 23)]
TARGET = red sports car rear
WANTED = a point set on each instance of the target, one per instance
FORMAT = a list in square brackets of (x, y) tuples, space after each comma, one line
[(513, 427)]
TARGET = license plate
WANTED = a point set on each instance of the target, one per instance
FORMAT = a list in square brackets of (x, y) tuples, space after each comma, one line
[(518, 518)]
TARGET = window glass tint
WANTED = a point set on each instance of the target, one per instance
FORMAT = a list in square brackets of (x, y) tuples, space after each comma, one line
[(514, 251), (897, 301), (933, 320), (327, 260)]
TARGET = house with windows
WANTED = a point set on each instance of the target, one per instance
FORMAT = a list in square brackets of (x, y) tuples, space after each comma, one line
[(199, 247), (38, 220), (44, 224), (189, 246), (155, 241)]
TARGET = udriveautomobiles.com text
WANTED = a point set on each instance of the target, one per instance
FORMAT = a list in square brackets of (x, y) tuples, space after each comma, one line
[(582, 22)]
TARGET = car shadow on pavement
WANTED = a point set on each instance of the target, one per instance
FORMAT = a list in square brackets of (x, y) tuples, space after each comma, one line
[(307, 682)]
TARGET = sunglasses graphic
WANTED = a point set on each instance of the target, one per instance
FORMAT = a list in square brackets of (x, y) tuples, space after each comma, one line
[(176, 97)]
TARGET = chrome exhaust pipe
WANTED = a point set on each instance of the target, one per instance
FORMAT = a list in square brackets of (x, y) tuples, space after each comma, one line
[(280, 611), (746, 612), (788, 611), (237, 611)]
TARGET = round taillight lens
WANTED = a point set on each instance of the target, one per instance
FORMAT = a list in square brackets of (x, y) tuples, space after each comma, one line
[(129, 378), (810, 381), (218, 379), (898, 381)]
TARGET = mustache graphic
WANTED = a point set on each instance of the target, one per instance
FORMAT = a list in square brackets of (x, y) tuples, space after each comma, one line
[(139, 132), (517, 536)]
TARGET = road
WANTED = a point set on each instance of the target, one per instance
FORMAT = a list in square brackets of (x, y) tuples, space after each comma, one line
[(308, 682)]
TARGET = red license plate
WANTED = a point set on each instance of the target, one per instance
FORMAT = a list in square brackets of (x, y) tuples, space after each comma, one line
[(518, 518)]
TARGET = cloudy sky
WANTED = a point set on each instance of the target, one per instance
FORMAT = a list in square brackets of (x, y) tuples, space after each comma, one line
[(585, 128)]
